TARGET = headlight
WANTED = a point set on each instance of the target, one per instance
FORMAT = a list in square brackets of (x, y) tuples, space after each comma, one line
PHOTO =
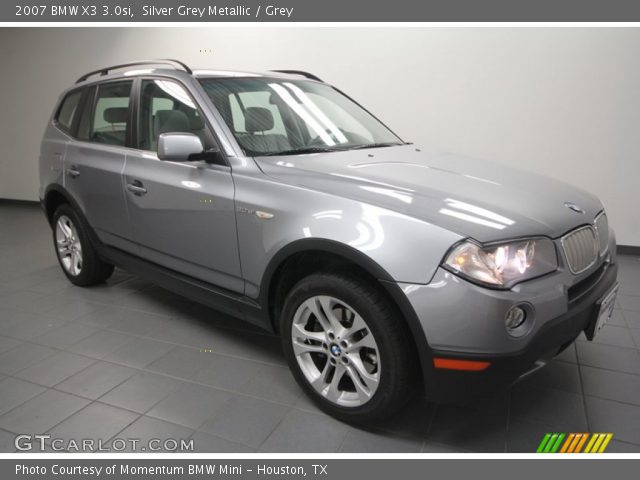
[(503, 265)]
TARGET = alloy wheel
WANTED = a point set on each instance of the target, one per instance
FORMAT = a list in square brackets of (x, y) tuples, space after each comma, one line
[(68, 246), (336, 351)]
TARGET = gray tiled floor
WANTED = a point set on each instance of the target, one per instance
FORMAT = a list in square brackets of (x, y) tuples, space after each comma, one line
[(130, 360)]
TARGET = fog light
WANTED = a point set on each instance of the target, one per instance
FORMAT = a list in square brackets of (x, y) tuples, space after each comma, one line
[(515, 318)]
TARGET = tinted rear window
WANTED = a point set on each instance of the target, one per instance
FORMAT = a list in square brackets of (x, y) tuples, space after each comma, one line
[(68, 110)]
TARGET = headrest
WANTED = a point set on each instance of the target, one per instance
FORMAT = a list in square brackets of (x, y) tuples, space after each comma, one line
[(172, 121), (116, 114), (257, 119), (196, 123)]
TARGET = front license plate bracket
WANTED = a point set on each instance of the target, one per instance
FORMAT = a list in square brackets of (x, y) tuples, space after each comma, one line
[(603, 310)]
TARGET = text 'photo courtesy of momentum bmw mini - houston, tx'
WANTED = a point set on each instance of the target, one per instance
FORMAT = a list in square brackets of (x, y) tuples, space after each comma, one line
[(388, 270)]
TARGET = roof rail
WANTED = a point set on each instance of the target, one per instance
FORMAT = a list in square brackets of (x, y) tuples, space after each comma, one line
[(299, 72), (167, 61)]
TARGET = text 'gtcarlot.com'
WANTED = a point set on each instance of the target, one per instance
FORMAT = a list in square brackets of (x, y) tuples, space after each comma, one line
[(43, 443)]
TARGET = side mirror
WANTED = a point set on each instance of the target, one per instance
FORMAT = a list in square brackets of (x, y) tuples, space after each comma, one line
[(179, 147)]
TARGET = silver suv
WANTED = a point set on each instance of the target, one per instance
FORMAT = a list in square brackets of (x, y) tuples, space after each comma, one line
[(276, 198)]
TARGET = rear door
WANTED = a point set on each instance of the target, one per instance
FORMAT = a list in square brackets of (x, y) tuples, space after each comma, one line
[(182, 213), (95, 160), (56, 138)]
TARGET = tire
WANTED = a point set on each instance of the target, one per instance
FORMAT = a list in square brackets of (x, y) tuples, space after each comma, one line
[(76, 255), (377, 343)]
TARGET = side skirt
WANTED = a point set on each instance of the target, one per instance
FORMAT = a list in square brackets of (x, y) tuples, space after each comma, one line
[(231, 303)]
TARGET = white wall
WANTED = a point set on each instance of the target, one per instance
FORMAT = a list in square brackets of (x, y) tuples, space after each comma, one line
[(564, 101)]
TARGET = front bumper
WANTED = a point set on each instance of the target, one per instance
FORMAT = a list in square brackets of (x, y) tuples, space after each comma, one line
[(465, 322)]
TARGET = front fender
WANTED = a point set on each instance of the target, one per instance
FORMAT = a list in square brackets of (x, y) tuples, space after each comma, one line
[(406, 249)]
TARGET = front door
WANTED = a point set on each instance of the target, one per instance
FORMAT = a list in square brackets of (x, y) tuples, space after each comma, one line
[(182, 213)]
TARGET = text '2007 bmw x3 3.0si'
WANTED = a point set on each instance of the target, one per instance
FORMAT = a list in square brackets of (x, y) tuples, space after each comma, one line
[(276, 198)]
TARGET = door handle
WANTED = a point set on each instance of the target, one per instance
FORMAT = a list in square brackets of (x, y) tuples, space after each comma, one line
[(73, 171), (136, 188)]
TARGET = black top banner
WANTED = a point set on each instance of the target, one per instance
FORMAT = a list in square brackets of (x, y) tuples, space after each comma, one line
[(126, 11)]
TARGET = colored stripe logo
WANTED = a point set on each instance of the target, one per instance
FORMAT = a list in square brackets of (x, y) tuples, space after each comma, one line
[(574, 443)]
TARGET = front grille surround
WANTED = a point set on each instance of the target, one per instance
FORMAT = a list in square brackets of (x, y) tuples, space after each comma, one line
[(581, 248)]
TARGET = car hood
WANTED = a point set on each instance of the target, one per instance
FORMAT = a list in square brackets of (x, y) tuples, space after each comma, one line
[(475, 198)]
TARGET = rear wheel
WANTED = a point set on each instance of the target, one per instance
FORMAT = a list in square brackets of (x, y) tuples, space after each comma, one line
[(347, 347), (77, 256)]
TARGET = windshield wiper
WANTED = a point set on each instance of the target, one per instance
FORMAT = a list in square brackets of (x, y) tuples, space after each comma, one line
[(375, 145), (300, 151)]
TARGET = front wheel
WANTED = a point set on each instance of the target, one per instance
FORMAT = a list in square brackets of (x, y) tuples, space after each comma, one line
[(347, 347)]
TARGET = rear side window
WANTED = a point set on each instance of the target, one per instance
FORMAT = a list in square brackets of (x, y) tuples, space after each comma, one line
[(111, 114), (68, 110)]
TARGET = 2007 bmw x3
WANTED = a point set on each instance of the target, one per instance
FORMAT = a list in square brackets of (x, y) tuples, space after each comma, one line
[(277, 199)]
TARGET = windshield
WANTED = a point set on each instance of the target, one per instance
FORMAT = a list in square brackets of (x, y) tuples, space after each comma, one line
[(270, 116)]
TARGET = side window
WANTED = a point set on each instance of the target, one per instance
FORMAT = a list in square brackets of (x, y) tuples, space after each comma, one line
[(111, 113), (68, 110), (166, 107)]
